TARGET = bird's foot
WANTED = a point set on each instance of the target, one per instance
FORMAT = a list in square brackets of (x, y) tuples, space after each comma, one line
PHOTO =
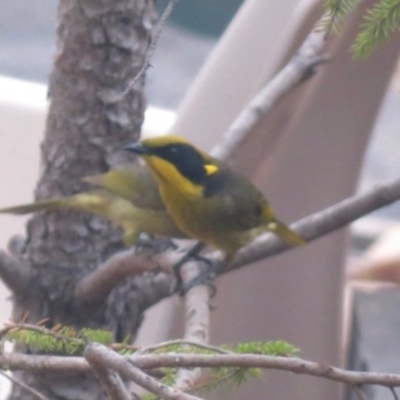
[(192, 253), (205, 277)]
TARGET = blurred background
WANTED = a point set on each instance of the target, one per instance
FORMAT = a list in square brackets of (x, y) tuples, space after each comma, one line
[(27, 36)]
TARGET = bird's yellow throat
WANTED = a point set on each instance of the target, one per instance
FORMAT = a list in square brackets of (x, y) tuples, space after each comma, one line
[(167, 175)]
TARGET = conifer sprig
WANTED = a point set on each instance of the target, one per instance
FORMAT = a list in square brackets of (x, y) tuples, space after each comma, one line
[(66, 340), (335, 13), (380, 22)]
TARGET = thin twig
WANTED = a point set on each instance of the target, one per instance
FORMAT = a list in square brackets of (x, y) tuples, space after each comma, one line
[(111, 381), (299, 68), (358, 391), (114, 361), (17, 382), (394, 393), (332, 19), (180, 342), (152, 47), (13, 326)]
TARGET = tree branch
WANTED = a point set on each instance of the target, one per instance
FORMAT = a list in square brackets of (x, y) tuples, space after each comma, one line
[(46, 363), (358, 391), (299, 68), (197, 322), (394, 393), (111, 381), (15, 361), (17, 382), (100, 353), (97, 285)]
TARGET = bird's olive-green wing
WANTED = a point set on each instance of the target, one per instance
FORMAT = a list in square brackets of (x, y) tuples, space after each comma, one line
[(134, 183), (237, 204)]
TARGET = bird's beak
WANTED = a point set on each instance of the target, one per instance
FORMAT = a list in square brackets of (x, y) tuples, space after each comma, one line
[(137, 148)]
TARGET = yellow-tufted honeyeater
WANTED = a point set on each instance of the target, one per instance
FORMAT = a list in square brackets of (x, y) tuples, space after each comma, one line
[(208, 200)]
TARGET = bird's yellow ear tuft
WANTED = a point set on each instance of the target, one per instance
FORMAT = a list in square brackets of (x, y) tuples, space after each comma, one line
[(210, 169)]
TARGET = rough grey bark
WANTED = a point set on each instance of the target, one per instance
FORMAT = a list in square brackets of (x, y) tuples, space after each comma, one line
[(101, 46)]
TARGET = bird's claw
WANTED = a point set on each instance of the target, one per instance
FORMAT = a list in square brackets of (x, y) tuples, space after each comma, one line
[(206, 277), (193, 253)]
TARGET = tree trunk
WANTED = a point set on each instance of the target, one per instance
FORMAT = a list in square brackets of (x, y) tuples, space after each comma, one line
[(100, 48)]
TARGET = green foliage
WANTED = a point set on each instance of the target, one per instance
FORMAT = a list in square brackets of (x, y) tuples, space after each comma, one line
[(379, 23), (229, 377), (233, 377), (180, 348), (96, 335), (168, 379), (273, 348), (64, 340), (335, 13)]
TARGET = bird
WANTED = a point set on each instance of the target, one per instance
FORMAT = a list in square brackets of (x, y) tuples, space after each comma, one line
[(207, 198), (128, 197)]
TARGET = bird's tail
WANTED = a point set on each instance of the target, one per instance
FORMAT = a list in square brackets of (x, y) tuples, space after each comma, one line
[(51, 204), (285, 233)]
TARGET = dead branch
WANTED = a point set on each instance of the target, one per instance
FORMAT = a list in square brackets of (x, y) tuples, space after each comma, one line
[(17, 382), (40, 363), (299, 68), (197, 323), (99, 353), (97, 285), (111, 381)]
